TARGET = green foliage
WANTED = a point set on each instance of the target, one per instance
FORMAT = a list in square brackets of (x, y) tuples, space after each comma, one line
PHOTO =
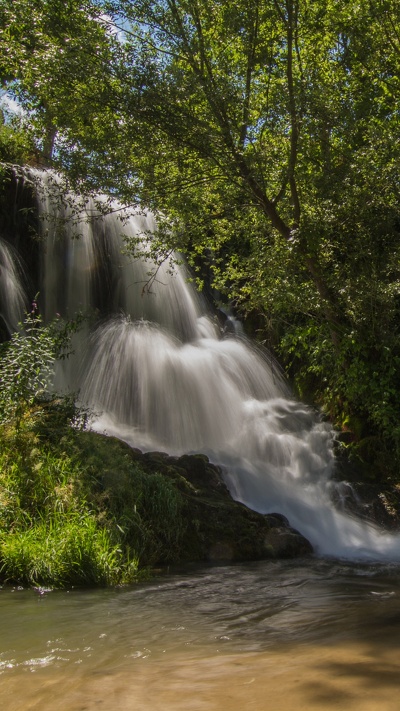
[(357, 387), (147, 508), (49, 535), (27, 363), (15, 144), (57, 64), (75, 509), (63, 551)]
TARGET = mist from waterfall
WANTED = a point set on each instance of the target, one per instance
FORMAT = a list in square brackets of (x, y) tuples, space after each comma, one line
[(158, 371)]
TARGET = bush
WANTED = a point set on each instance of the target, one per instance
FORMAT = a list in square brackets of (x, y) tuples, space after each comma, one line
[(27, 363)]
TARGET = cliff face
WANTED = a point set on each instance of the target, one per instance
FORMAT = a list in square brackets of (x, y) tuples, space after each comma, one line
[(19, 221)]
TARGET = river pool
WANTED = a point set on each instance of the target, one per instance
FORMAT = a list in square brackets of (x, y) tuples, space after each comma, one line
[(266, 636)]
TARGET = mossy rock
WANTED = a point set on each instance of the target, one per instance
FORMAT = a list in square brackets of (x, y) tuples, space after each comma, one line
[(134, 510), (216, 528)]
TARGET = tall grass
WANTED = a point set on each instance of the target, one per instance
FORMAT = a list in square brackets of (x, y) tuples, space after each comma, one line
[(65, 550), (75, 509)]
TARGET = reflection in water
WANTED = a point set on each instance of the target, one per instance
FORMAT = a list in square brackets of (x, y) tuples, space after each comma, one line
[(310, 635)]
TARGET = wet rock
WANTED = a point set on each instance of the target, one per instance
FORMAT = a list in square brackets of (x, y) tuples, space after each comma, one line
[(219, 528), (277, 520), (286, 542)]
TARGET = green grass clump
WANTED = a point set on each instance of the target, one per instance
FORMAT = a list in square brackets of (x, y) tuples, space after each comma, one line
[(49, 532), (148, 508), (63, 551), (76, 509)]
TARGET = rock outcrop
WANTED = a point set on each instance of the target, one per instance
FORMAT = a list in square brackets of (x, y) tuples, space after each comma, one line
[(219, 528)]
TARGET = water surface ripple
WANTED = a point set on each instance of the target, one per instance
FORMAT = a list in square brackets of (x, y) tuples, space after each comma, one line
[(237, 608)]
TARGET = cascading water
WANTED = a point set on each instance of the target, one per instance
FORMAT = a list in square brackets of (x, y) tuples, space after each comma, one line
[(160, 375)]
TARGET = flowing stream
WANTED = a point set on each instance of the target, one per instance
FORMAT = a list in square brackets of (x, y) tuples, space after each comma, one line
[(158, 371), (270, 636)]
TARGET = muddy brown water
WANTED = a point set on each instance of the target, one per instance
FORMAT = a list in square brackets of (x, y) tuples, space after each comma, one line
[(279, 636)]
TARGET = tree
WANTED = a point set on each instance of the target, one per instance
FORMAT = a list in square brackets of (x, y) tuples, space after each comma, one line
[(273, 123), (15, 145), (57, 65)]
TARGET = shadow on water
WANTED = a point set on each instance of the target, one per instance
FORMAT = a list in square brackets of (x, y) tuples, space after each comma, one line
[(362, 676)]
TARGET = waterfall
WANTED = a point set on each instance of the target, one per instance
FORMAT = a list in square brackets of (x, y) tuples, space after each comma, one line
[(158, 372)]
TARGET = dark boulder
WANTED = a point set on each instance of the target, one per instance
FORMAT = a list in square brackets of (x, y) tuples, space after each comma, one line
[(219, 528)]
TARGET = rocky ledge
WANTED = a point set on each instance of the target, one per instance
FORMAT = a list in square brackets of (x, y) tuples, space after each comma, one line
[(219, 528)]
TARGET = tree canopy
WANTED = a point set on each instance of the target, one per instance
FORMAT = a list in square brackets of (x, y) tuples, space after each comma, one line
[(267, 135)]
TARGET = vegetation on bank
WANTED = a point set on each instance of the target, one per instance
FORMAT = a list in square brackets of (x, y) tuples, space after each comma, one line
[(76, 509)]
